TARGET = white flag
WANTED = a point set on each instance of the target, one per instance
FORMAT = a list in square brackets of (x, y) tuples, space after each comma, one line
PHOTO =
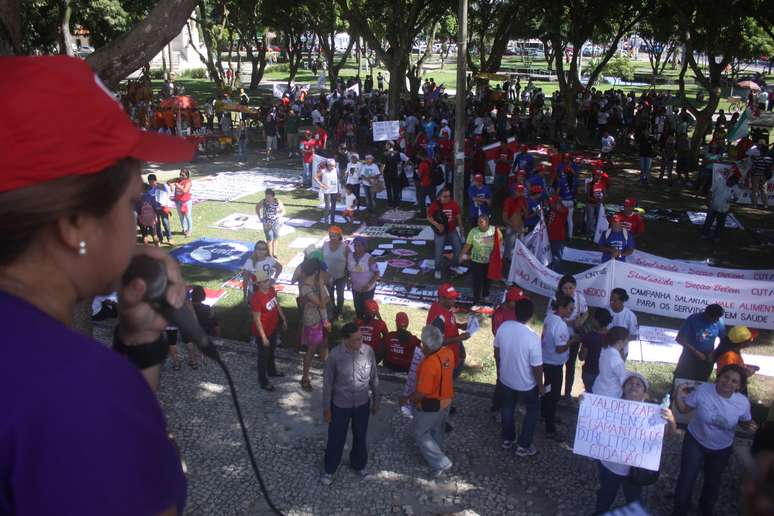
[(602, 223), (538, 243)]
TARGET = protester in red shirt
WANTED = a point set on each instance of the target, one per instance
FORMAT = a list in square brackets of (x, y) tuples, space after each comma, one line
[(504, 312), (321, 138), (445, 217), (425, 182), (595, 196), (308, 147), (442, 317), (557, 228), (267, 315), (630, 219), (400, 344), (372, 329), (503, 165)]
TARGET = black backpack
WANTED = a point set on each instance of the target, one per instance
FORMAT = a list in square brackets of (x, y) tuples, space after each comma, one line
[(439, 176)]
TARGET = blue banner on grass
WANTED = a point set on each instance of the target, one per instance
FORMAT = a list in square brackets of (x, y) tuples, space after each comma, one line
[(214, 253)]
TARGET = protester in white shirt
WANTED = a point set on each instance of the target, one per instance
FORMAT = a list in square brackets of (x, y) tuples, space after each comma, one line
[(370, 176), (709, 440), (555, 347), (260, 260), (519, 354), (612, 475), (623, 316), (612, 365), (576, 320), (607, 145)]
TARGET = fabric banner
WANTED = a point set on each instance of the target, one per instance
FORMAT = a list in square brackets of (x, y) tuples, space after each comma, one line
[(213, 253), (237, 221), (653, 291), (278, 90), (229, 186), (388, 130), (620, 431), (743, 194), (698, 218), (602, 223), (538, 243)]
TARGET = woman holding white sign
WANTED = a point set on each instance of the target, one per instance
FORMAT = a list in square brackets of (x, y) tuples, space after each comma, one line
[(709, 440), (613, 476)]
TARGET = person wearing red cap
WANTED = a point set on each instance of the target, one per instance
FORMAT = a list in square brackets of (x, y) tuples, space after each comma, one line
[(373, 330), (534, 207), (567, 185), (557, 228), (400, 345), (596, 188), (441, 316), (504, 312), (68, 227), (630, 219), (445, 217), (480, 199), (503, 166), (616, 242), (523, 160), (514, 214), (307, 148)]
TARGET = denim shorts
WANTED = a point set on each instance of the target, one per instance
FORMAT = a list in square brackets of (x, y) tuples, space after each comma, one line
[(271, 231)]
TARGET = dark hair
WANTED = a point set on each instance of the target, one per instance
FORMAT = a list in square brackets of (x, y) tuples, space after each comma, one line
[(348, 330), (310, 266), (197, 294), (715, 311), (185, 172), (444, 190), (734, 368), (615, 334), (525, 308), (152, 177), (567, 278), (25, 212), (561, 301), (269, 191), (602, 317), (621, 293)]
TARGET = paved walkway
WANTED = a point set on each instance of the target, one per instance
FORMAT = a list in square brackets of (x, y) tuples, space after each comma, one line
[(289, 437)]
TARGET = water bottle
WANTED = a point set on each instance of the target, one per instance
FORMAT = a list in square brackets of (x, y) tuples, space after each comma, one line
[(666, 402)]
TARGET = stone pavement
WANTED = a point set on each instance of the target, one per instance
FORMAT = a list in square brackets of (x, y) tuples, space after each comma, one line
[(288, 437)]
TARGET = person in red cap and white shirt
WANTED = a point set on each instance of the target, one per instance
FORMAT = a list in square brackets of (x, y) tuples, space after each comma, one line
[(442, 317), (630, 219), (372, 329), (504, 312), (76, 414), (400, 345)]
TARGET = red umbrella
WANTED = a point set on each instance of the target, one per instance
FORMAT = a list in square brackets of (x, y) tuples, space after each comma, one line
[(181, 102), (748, 84)]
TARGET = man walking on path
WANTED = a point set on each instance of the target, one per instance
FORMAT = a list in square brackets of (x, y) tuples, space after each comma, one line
[(350, 394)]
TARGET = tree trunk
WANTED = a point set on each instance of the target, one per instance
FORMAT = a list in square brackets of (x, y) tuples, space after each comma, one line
[(703, 125), (215, 71), (10, 28), (131, 50), (397, 68), (256, 72), (66, 41)]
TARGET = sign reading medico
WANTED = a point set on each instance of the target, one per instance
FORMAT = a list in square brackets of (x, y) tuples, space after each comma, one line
[(621, 431)]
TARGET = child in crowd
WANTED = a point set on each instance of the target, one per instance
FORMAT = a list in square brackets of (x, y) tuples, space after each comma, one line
[(350, 202)]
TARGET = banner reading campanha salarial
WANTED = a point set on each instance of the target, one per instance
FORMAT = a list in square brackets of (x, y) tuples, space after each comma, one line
[(654, 291)]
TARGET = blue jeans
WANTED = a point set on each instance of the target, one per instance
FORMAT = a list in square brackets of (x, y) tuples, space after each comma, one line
[(429, 434), (186, 219), (307, 174), (370, 197), (696, 458), (330, 206), (609, 483), (162, 220), (530, 400), (337, 437), (645, 164), (451, 237)]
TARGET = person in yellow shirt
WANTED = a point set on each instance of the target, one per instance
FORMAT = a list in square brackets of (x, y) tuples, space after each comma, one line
[(433, 397), (730, 348)]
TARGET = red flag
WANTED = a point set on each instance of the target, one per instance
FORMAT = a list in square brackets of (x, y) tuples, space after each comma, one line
[(494, 272)]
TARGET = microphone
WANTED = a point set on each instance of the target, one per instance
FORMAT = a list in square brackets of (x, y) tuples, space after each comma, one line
[(154, 273)]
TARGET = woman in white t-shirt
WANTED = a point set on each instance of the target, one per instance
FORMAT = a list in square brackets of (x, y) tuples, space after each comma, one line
[(623, 316), (575, 322), (612, 366), (555, 347), (352, 174), (370, 174), (709, 440), (260, 260), (613, 476), (327, 180)]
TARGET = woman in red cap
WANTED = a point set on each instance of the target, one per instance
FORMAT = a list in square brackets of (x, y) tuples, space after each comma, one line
[(88, 417), (630, 219), (373, 330)]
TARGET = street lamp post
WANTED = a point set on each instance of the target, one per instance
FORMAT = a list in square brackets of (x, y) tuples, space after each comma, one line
[(459, 122)]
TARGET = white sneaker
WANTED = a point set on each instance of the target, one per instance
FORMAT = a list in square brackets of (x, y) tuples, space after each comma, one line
[(438, 473), (526, 452), (506, 445), (326, 479)]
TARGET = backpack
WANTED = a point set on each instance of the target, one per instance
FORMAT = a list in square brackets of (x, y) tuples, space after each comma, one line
[(438, 176), (147, 214)]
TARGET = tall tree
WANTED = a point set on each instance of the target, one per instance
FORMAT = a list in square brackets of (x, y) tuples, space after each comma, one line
[(250, 24), (569, 24), (398, 23), (326, 21), (414, 73), (659, 33)]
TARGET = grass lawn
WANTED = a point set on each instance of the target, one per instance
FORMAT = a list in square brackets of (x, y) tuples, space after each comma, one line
[(739, 248)]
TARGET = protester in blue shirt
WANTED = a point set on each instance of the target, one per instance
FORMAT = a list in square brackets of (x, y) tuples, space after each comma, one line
[(616, 242), (524, 160), (533, 207), (429, 127), (567, 186), (480, 197), (697, 337)]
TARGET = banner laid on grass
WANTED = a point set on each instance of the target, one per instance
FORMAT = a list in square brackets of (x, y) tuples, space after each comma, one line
[(214, 253)]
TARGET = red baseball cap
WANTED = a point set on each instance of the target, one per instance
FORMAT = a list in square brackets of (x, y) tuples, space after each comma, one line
[(371, 306), (401, 319), (478, 177), (554, 199), (520, 188), (617, 218), (515, 294), (535, 189), (630, 202), (60, 120), (524, 148), (447, 290), (521, 172), (597, 172)]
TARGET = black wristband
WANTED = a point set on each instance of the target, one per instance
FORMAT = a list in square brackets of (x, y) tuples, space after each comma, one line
[(142, 356)]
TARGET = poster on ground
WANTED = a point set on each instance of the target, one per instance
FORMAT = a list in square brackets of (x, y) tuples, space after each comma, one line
[(620, 431), (214, 253), (743, 193), (387, 130)]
